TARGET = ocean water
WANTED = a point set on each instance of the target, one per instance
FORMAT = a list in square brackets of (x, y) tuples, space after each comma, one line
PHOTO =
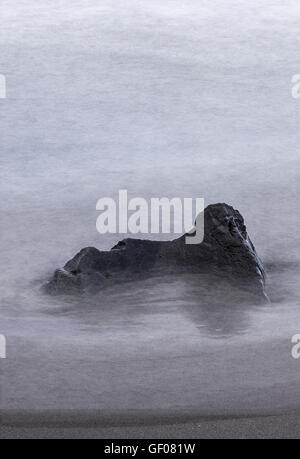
[(173, 98)]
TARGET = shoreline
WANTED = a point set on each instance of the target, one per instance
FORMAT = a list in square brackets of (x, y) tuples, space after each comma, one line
[(64, 425)]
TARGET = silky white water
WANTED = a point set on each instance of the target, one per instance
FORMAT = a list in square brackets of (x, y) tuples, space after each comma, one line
[(173, 98)]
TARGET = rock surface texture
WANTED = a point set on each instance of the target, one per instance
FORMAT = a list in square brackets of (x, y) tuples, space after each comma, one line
[(226, 252)]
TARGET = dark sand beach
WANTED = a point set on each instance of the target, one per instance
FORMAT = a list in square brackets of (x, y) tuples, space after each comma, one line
[(280, 426)]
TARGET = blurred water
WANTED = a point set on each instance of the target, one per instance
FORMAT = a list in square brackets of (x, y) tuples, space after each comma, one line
[(188, 99)]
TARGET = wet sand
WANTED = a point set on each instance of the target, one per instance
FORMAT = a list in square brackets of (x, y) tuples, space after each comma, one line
[(284, 426)]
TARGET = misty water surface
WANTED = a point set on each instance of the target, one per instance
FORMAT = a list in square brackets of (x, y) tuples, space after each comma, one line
[(173, 98)]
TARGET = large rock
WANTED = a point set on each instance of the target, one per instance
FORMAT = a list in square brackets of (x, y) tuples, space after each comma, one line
[(226, 251)]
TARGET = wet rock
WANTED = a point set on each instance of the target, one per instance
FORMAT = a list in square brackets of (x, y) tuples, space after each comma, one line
[(226, 251)]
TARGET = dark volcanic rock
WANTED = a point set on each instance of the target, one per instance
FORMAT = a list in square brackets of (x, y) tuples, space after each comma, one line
[(226, 251)]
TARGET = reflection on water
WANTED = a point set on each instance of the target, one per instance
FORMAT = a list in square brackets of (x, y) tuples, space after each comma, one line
[(163, 343), (215, 308), (212, 306)]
